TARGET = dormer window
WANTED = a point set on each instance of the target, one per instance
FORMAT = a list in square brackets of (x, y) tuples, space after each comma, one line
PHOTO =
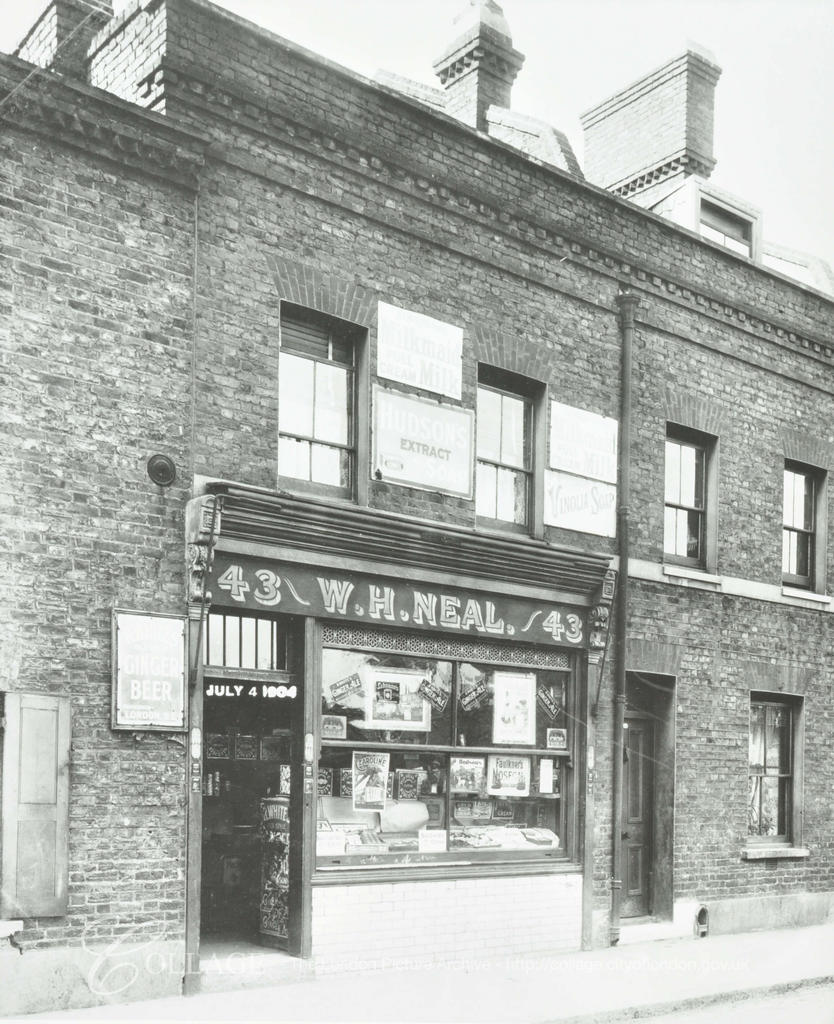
[(726, 228)]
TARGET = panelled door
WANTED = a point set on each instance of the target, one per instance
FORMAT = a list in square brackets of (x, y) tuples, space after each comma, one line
[(638, 791)]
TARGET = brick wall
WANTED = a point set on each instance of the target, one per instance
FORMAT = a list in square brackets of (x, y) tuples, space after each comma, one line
[(451, 921), (96, 301)]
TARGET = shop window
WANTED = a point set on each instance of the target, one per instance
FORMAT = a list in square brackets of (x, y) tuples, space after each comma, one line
[(506, 421), (244, 641), (34, 801), (316, 444), (802, 561), (426, 760), (726, 228), (772, 812), (689, 523)]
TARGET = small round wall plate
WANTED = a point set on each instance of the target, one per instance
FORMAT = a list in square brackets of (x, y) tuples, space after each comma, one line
[(161, 470)]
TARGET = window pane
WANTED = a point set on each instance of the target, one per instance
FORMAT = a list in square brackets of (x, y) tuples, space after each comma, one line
[(215, 637), (513, 422), (486, 489), (247, 646), (691, 476), (757, 738), (232, 625), (786, 551), (266, 657), (330, 466), (489, 425), (754, 805), (673, 472), (511, 500), (787, 499), (808, 518), (294, 458), (295, 395), (482, 723), (802, 543), (803, 502), (331, 412), (736, 246), (773, 821), (365, 687), (693, 534), (669, 535), (778, 740)]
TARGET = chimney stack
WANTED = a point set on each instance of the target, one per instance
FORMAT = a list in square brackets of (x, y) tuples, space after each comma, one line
[(479, 66), (61, 36), (655, 132)]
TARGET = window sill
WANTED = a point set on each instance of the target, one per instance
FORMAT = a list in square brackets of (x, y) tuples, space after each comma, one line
[(696, 575), (805, 595), (776, 852)]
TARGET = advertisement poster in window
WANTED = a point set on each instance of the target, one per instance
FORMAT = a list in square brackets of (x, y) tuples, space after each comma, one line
[(513, 708), (393, 701), (467, 775), (333, 727), (508, 775), (557, 739), (370, 780)]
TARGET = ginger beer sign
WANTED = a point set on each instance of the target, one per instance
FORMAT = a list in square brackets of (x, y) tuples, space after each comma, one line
[(148, 671)]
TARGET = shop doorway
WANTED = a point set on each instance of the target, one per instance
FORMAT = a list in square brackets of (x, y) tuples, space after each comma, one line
[(648, 796), (250, 724)]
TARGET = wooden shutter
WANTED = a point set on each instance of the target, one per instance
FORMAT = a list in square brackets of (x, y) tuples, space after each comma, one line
[(35, 799)]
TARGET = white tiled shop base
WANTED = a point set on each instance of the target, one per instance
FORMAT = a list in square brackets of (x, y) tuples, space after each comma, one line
[(401, 924)]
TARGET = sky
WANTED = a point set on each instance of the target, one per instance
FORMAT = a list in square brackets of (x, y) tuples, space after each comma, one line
[(774, 104)]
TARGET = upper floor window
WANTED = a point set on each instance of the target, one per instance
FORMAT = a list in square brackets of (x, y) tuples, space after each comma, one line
[(726, 228), (503, 487), (684, 535), (316, 444), (801, 559)]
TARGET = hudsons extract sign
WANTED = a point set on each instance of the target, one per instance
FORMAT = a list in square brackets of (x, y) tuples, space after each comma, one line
[(245, 582)]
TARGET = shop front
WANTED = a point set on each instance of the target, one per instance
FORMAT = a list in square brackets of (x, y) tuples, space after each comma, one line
[(394, 746)]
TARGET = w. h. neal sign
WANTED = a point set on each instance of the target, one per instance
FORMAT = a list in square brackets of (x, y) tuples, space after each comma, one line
[(300, 590)]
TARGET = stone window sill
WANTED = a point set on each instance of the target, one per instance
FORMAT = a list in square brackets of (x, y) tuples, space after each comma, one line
[(696, 575), (805, 595), (776, 852)]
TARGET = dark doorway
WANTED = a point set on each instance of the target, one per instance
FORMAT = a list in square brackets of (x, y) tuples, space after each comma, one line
[(648, 796)]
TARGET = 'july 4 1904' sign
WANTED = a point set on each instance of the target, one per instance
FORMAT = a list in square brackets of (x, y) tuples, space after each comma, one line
[(323, 593)]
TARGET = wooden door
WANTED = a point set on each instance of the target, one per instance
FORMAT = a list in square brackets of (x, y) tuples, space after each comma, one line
[(638, 790)]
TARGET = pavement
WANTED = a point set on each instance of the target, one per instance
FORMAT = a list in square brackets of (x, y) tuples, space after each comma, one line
[(627, 982)]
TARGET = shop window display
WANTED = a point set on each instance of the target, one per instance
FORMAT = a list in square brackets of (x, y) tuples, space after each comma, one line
[(428, 760)]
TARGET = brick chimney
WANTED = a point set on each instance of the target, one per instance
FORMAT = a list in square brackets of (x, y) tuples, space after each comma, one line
[(655, 132), (479, 66), (61, 36)]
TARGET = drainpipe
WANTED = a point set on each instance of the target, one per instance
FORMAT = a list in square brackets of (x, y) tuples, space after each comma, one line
[(626, 305)]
